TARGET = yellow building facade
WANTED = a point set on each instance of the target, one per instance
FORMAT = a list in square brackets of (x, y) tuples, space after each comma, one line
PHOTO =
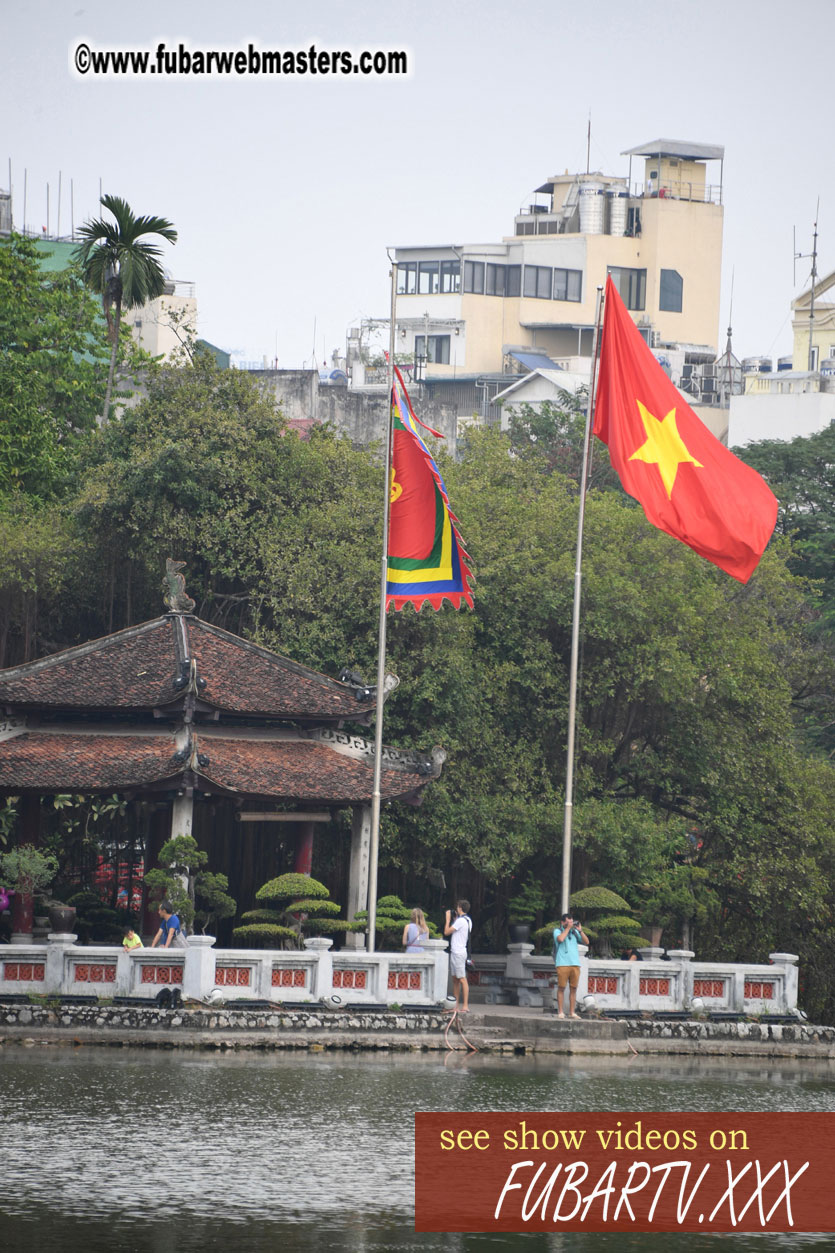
[(463, 310)]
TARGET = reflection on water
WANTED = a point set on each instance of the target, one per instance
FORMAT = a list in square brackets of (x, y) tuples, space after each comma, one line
[(170, 1152)]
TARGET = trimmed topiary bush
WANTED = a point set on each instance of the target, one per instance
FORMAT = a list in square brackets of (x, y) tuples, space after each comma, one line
[(302, 908), (392, 916), (611, 923)]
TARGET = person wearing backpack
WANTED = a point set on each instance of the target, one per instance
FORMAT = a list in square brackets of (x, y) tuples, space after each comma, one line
[(458, 929)]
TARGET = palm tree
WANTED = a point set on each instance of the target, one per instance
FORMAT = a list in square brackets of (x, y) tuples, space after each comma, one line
[(123, 268)]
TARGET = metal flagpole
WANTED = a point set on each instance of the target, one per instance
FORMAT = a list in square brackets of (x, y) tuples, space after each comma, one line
[(575, 624), (374, 851)]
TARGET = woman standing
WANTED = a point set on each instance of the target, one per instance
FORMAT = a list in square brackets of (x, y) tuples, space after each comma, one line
[(415, 932)]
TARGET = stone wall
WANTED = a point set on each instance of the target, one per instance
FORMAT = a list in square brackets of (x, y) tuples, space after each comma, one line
[(317, 1028), (361, 415)]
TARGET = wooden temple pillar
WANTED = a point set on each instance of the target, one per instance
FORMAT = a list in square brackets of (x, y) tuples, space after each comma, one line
[(165, 823), (358, 869), (23, 907), (303, 863), (182, 813)]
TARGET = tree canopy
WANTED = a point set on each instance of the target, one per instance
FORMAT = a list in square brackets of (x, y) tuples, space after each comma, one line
[(705, 785)]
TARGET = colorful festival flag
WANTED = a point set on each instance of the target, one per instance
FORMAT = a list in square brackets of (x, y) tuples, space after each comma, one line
[(425, 558), (687, 482)]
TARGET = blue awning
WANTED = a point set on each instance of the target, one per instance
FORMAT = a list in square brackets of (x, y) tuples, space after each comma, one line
[(535, 361)]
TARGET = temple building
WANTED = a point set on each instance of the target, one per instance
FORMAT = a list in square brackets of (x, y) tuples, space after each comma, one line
[(208, 728)]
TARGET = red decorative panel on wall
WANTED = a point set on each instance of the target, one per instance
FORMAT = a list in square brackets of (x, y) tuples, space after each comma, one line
[(289, 977), (24, 972), (604, 984), (89, 972), (655, 987), (162, 974), (233, 976), (709, 987), (756, 990), (405, 980), (350, 979), (542, 974)]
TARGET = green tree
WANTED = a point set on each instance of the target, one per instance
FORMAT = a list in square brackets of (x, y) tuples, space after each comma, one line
[(279, 535), (180, 861), (122, 267), (52, 367), (801, 473)]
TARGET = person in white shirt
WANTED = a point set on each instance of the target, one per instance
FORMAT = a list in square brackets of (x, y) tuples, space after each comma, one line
[(459, 928)]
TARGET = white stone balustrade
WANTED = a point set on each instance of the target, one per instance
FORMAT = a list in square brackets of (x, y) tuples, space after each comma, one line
[(308, 975), (354, 976), (646, 986)]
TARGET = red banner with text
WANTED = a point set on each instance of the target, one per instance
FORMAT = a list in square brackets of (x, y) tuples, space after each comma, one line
[(624, 1172)]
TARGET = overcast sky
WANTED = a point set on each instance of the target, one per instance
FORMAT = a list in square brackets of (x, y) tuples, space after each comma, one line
[(286, 191)]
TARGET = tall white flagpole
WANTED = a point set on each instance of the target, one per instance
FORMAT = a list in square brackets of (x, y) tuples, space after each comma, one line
[(575, 624), (374, 851)]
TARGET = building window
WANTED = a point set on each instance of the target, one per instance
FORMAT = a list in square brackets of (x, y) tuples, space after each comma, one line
[(406, 278), (815, 358), (568, 284), (450, 276), (428, 277), (495, 280), (538, 281), (670, 293), (526, 228), (513, 280), (474, 277), (631, 285), (438, 348)]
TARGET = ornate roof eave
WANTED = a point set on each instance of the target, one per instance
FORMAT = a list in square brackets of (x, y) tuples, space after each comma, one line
[(322, 766)]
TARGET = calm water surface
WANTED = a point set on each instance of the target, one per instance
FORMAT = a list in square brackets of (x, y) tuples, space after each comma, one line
[(165, 1152)]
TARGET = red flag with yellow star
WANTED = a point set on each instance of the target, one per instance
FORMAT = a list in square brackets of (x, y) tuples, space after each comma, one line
[(687, 482)]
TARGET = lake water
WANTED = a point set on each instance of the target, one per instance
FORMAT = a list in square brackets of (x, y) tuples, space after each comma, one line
[(169, 1152)]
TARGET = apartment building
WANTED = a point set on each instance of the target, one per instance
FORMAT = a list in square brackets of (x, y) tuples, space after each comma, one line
[(467, 310)]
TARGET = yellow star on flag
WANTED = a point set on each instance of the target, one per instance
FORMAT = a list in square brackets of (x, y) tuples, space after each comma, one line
[(664, 447)]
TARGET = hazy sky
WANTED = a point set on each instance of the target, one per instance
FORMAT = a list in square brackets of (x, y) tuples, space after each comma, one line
[(286, 191)]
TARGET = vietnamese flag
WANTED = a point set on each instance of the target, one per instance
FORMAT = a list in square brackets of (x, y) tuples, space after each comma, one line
[(687, 482)]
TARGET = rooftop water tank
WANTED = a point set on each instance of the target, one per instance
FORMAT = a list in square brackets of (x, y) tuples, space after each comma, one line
[(756, 365), (784, 363), (617, 201), (592, 209)]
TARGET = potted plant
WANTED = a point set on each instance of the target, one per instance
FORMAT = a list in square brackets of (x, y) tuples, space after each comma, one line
[(524, 908), (25, 870)]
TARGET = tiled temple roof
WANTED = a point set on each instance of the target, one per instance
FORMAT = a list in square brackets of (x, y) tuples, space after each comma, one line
[(149, 666), (280, 768), (56, 762)]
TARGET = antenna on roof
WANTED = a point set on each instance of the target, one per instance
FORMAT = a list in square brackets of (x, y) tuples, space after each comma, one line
[(814, 255), (588, 146)]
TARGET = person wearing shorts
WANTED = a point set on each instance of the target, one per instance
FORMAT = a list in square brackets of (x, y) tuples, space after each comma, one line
[(567, 961), (459, 929)]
